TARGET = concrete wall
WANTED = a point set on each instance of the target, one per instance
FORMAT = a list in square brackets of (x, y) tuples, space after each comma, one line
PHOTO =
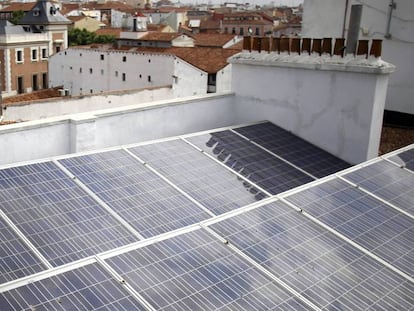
[(70, 105), (335, 103), (224, 79), (325, 19), (111, 127)]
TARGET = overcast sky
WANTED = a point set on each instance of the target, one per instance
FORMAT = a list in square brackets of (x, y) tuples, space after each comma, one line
[(254, 2)]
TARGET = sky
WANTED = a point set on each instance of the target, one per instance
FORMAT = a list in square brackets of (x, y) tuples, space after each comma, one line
[(254, 2)]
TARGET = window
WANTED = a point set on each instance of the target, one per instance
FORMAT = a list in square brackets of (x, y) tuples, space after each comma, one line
[(44, 80), (123, 76), (44, 53), (34, 54), (80, 70), (102, 57), (233, 30), (35, 84), (241, 31), (102, 72), (257, 31), (57, 48), (36, 12), (90, 70), (19, 56), (124, 59), (226, 30), (91, 91), (116, 73), (149, 61), (149, 78), (20, 85)]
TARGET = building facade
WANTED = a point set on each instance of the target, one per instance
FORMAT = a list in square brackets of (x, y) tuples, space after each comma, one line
[(84, 71), (24, 58)]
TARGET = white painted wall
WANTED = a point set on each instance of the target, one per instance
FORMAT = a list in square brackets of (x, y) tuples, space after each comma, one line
[(111, 127), (325, 19), (107, 75), (189, 79), (223, 79), (338, 107), (41, 109)]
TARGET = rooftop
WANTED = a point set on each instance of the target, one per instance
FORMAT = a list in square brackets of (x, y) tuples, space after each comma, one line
[(211, 217)]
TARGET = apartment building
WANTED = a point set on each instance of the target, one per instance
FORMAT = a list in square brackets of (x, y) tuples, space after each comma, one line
[(24, 58)]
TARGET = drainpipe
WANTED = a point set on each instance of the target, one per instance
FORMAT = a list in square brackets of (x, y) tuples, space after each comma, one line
[(345, 15), (392, 6), (353, 28)]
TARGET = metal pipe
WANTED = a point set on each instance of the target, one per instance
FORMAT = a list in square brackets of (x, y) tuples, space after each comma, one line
[(392, 6), (353, 28), (345, 15)]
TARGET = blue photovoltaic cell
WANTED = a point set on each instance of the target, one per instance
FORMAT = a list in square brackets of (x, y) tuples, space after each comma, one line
[(194, 271), (308, 157), (16, 259), (57, 216), (259, 166), (86, 288), (405, 158), (363, 219), (137, 194), (322, 267), (202, 178), (387, 181)]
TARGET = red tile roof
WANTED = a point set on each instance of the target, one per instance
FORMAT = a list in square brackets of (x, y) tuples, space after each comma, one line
[(160, 36), (17, 6), (212, 40), (116, 32), (210, 60)]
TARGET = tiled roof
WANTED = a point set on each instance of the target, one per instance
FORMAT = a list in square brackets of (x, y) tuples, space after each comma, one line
[(210, 60), (212, 40), (28, 97), (109, 31), (75, 18), (160, 36), (210, 24), (69, 7), (17, 6), (155, 27)]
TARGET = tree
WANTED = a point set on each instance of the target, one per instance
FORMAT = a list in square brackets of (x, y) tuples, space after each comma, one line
[(17, 16), (78, 36)]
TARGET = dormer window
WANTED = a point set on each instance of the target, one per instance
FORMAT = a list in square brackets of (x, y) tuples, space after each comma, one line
[(36, 12)]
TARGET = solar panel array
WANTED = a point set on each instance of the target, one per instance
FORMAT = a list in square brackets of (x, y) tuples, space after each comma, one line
[(205, 222)]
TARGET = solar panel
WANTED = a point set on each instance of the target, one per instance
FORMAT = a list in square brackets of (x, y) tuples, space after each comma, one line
[(322, 267), (367, 221), (308, 157), (16, 259), (195, 271), (202, 178), (388, 182), (138, 195), (259, 166), (56, 215), (86, 288), (405, 158)]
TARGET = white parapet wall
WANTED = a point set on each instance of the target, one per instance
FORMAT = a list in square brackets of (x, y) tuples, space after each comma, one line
[(41, 109), (55, 136), (333, 102)]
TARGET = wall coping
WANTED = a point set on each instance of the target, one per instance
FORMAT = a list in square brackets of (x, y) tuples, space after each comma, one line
[(370, 65)]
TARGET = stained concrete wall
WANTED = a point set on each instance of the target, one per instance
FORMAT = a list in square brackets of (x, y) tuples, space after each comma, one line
[(334, 103)]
